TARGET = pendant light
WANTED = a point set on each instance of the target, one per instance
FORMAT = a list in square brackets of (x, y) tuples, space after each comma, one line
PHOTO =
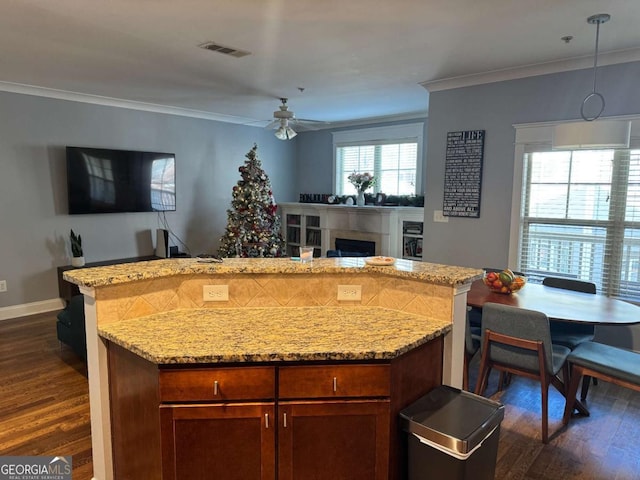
[(601, 134)]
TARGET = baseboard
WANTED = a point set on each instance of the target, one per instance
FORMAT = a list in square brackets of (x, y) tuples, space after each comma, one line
[(33, 308)]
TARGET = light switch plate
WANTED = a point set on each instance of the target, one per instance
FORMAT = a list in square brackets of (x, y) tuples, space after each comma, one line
[(439, 217)]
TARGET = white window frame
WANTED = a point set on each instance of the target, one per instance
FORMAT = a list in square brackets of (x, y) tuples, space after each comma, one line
[(532, 137), (377, 135)]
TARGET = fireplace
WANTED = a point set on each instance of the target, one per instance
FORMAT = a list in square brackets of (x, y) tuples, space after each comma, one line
[(380, 229), (362, 247)]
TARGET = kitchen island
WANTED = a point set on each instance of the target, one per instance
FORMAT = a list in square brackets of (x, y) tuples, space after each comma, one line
[(282, 346)]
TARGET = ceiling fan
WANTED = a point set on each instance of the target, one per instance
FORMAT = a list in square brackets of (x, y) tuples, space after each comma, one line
[(283, 119)]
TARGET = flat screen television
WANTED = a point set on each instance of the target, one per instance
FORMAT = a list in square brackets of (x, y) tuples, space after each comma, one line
[(114, 181)]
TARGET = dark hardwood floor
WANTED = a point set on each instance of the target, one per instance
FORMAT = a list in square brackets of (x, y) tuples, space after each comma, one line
[(603, 446), (44, 395), (44, 410)]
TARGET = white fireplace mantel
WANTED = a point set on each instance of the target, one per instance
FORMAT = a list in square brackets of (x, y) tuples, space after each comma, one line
[(382, 225)]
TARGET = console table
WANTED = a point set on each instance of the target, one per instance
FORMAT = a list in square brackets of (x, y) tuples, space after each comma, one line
[(66, 290)]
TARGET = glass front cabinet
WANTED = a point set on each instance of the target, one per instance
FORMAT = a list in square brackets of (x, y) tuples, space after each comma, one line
[(303, 226)]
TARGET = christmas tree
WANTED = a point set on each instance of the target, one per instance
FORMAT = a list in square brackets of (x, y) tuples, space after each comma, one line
[(253, 227)]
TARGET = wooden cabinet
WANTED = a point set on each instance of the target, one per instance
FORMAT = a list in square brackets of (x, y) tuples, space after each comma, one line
[(227, 441), (353, 432), (217, 437), (333, 440), (287, 421)]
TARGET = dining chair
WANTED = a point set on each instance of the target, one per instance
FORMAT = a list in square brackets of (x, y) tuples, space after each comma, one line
[(572, 334), (565, 333), (471, 347), (518, 341)]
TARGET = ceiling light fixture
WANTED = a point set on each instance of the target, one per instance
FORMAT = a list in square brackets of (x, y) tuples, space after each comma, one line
[(601, 134), (285, 132), (596, 20)]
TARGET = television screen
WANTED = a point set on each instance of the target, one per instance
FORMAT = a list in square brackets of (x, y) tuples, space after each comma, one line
[(114, 181)]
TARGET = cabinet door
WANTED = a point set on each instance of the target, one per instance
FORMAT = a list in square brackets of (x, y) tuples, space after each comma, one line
[(333, 440), (225, 442), (293, 233)]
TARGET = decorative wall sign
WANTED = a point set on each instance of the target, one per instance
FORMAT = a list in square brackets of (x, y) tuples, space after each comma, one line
[(463, 174)]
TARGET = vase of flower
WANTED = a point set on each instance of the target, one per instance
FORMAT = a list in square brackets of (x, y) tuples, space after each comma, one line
[(362, 181)]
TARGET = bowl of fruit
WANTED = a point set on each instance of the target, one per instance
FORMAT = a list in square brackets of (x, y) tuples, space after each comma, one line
[(504, 282)]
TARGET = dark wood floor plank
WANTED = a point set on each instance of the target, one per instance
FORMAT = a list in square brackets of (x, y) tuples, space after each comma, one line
[(44, 395), (603, 446)]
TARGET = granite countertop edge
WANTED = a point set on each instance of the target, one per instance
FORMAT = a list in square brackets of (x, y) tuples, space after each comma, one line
[(276, 357), (263, 335), (130, 272)]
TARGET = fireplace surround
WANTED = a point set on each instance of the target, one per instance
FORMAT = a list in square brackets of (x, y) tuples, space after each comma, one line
[(379, 225)]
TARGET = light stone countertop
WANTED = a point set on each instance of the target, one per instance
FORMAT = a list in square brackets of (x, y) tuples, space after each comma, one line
[(273, 334), (129, 272)]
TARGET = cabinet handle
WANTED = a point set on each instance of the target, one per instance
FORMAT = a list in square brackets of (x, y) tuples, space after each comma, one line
[(266, 420), (335, 384), (284, 420), (215, 387)]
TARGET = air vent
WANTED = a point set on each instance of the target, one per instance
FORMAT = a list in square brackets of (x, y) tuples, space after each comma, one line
[(216, 47)]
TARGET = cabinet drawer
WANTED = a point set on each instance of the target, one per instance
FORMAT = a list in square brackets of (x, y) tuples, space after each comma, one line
[(334, 381), (217, 384)]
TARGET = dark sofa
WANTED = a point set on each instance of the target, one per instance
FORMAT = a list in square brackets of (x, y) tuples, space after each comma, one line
[(71, 328)]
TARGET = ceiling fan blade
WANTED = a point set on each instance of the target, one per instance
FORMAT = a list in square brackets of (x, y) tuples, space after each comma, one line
[(303, 124), (285, 117)]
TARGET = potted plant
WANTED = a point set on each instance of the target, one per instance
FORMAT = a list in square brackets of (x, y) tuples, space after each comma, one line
[(77, 259)]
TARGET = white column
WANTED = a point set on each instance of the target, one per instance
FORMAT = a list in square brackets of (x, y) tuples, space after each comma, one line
[(97, 367), (453, 363)]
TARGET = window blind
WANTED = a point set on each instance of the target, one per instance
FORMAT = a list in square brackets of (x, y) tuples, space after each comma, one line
[(393, 164), (580, 218)]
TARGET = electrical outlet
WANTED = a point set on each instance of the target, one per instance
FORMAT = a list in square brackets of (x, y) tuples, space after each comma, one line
[(350, 292), (439, 217), (3, 285), (215, 293)]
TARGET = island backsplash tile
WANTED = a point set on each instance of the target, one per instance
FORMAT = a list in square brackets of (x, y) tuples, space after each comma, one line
[(145, 297)]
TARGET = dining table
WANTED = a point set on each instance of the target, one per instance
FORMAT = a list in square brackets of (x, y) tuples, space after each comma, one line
[(560, 305)]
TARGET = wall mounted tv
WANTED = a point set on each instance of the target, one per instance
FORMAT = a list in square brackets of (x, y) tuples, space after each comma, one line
[(114, 181)]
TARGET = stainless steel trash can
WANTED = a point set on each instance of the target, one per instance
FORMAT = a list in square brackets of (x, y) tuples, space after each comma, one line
[(452, 435)]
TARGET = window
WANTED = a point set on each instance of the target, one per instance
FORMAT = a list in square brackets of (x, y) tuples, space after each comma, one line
[(392, 154), (580, 218)]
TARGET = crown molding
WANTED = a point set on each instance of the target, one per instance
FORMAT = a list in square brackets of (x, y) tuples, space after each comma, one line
[(577, 63), (119, 103), (183, 112), (419, 115)]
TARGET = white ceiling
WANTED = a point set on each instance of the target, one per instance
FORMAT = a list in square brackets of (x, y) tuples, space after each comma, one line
[(355, 59)]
